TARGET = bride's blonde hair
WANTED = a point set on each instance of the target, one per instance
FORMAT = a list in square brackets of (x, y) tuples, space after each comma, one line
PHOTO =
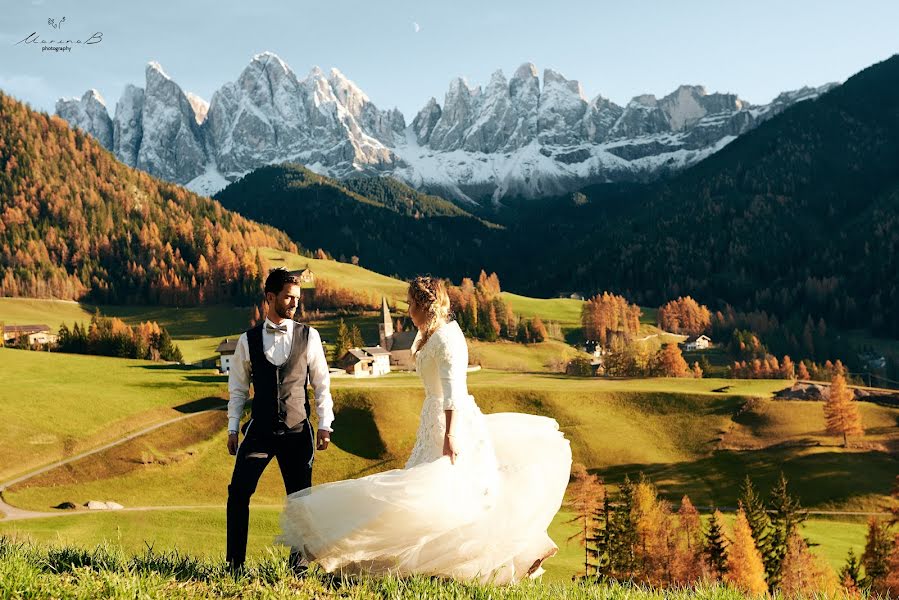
[(429, 294)]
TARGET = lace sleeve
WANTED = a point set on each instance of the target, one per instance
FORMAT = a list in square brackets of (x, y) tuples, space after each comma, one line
[(452, 365)]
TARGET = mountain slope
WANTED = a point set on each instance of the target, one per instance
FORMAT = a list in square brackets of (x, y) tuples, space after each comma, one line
[(390, 227), (800, 215), (75, 223)]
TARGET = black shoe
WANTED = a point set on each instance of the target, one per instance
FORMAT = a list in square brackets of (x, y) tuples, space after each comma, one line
[(298, 564), (236, 568)]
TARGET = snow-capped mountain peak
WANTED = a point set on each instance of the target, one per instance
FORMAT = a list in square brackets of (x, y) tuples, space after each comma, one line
[(200, 106), (156, 69), (270, 58), (520, 135), (92, 93)]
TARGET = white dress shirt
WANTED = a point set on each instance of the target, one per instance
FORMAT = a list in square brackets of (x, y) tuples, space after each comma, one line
[(277, 348)]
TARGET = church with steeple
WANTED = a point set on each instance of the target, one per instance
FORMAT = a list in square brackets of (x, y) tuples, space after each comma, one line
[(398, 343)]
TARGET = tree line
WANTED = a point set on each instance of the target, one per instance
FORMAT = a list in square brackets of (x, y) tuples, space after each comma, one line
[(110, 336)]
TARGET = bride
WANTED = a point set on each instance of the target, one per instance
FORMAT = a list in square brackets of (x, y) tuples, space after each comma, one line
[(475, 498)]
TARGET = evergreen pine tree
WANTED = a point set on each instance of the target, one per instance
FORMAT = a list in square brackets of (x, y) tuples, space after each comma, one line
[(759, 521), (876, 555), (786, 516), (603, 527), (343, 341), (623, 535), (850, 574), (716, 546), (705, 365), (356, 337)]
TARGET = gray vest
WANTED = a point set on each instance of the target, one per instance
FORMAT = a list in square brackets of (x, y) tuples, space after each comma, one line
[(279, 401)]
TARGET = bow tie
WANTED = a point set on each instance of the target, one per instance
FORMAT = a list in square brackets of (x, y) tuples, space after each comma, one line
[(275, 328)]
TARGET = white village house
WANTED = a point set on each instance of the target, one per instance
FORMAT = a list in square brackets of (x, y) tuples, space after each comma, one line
[(35, 334), (697, 342), (306, 275), (226, 351), (370, 361)]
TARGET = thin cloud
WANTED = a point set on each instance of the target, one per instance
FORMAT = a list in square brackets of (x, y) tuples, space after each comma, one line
[(416, 27)]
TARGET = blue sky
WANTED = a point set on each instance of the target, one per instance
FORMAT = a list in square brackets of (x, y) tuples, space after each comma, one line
[(403, 52)]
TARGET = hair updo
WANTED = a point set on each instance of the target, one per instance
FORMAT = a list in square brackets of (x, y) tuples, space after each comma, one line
[(429, 294)]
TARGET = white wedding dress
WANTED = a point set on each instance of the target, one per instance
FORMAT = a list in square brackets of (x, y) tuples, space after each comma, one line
[(483, 518)]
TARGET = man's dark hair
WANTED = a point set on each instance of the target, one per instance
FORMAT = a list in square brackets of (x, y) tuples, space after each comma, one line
[(278, 278)]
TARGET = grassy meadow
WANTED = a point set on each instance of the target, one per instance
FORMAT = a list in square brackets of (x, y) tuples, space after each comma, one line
[(28, 570), (343, 274), (693, 436), (57, 405), (132, 531)]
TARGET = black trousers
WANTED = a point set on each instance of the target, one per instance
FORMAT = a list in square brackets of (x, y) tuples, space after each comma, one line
[(294, 450)]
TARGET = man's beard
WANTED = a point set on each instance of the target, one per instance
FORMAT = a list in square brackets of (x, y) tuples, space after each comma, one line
[(284, 312)]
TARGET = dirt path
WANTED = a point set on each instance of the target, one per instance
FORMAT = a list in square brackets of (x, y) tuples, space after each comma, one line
[(12, 513), (17, 514)]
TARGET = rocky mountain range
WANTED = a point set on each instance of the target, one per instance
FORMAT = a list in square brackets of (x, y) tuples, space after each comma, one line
[(515, 137)]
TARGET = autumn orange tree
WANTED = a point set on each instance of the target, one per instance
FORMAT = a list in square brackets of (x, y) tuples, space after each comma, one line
[(745, 569), (891, 581), (480, 309), (803, 572), (586, 495), (669, 362), (607, 316), (655, 536), (841, 410), (684, 315), (689, 563)]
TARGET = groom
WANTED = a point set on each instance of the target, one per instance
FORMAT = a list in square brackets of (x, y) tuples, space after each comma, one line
[(279, 356)]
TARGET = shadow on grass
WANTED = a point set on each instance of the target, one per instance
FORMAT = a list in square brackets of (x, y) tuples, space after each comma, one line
[(365, 440), (175, 367), (201, 404), (818, 478), (207, 378)]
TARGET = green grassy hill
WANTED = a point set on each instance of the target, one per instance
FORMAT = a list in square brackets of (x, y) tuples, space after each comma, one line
[(58, 405), (345, 275), (686, 436)]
